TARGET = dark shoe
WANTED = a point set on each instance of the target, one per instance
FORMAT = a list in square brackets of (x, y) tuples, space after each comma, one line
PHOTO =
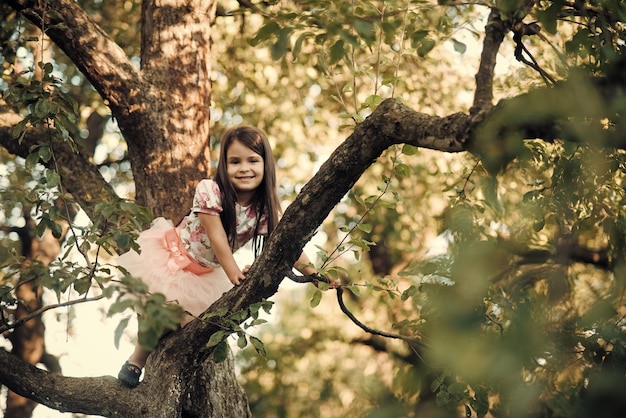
[(129, 375)]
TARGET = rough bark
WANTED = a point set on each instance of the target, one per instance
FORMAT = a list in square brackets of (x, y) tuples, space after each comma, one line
[(79, 176), (495, 30), (162, 111), (175, 54), (146, 105)]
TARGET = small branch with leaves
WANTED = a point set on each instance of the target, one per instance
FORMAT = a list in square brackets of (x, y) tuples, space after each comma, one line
[(316, 279)]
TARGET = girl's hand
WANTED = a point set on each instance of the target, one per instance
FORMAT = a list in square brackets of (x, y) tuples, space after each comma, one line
[(236, 278), (334, 283), (246, 269)]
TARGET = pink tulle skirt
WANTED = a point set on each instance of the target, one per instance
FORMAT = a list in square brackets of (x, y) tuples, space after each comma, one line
[(195, 293)]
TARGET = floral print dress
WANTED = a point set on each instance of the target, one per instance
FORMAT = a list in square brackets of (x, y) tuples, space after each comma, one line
[(194, 292)]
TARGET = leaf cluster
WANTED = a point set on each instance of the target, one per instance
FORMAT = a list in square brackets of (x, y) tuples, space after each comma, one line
[(236, 323)]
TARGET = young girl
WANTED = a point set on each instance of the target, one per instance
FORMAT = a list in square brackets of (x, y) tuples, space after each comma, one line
[(193, 262)]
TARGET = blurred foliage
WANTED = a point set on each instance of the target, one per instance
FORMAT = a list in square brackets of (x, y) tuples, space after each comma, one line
[(508, 264)]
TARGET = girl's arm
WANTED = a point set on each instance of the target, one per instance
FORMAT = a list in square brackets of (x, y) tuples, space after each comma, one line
[(303, 265), (214, 229)]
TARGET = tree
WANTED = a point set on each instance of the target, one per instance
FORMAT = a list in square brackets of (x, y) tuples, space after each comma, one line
[(162, 111)]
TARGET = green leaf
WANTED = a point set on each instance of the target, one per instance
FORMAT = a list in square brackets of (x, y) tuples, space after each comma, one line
[(364, 29), (32, 160), (242, 341), (266, 31), (56, 229), (317, 297), (82, 285), (258, 322), (337, 52), (389, 32), (19, 130), (356, 291), (120, 306), (480, 403), (46, 67), (280, 47), (217, 338), (402, 170), (349, 38), (539, 224), (267, 306), (123, 240), (40, 229), (220, 353), (508, 6), (457, 388), (417, 37), (219, 313), (425, 47), (412, 290), (372, 101), (409, 149), (258, 346), (119, 331), (239, 316), (298, 44), (52, 178), (149, 337), (459, 47), (549, 16)]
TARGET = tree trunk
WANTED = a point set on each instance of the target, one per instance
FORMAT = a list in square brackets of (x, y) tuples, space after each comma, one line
[(175, 61)]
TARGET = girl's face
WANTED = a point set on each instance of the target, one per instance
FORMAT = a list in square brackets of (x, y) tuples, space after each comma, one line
[(245, 170)]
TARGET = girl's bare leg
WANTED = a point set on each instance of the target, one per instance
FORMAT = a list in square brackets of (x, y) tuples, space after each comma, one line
[(139, 356)]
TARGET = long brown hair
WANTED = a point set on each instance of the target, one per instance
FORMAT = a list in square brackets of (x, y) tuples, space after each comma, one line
[(265, 198)]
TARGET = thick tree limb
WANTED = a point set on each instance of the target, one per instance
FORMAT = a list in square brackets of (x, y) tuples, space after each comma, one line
[(391, 123), (495, 31), (102, 396), (160, 113), (79, 176), (94, 53)]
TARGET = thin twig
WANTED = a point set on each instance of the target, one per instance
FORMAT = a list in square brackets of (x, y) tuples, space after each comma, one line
[(45, 309), (364, 327), (330, 257), (316, 278), (399, 55)]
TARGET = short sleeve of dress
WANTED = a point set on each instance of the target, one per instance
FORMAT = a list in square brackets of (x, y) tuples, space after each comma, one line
[(207, 198)]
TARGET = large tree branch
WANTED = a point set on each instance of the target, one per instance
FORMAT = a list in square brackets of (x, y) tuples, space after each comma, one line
[(392, 123), (159, 112), (495, 31), (79, 176), (573, 110), (104, 63), (94, 53)]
